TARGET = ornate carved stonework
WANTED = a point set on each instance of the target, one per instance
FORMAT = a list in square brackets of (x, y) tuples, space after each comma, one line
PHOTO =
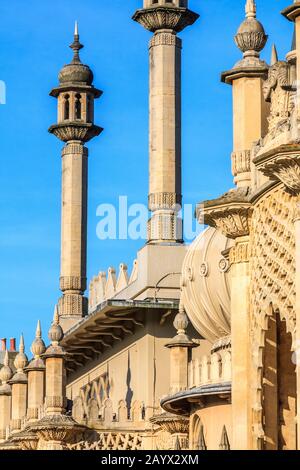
[(230, 213), (239, 253), (272, 266), (72, 304), (81, 131), (72, 283), (172, 424), (159, 201), (282, 164), (241, 165), (75, 148), (165, 39), (277, 93), (164, 17)]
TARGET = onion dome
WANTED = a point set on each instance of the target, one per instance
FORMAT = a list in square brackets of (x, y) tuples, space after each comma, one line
[(21, 360), (251, 37), (76, 72), (206, 284), (56, 333), (38, 346)]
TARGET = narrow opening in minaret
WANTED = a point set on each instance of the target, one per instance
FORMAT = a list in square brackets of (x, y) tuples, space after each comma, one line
[(89, 109), (67, 108), (78, 107)]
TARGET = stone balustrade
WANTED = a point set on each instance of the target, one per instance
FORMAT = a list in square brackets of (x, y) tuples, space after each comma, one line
[(212, 369)]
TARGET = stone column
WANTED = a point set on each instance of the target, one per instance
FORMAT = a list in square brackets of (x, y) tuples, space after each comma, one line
[(36, 378), (165, 137), (240, 340), (73, 304), (165, 197), (5, 398), (56, 401), (19, 390)]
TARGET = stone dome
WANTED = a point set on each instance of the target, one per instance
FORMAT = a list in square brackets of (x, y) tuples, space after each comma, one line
[(76, 73), (206, 285)]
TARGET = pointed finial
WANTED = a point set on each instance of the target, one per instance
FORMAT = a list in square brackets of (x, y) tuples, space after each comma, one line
[(76, 46), (21, 358), (6, 359), (38, 333), (250, 9), (22, 344), (38, 346), (274, 55), (55, 333), (6, 372)]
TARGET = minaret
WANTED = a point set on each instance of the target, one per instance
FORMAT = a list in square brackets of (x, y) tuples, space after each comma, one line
[(165, 19), (19, 390), (76, 95), (250, 110), (36, 377), (5, 397)]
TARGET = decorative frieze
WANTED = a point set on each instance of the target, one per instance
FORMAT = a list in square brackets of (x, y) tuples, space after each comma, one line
[(159, 201), (73, 283), (75, 149), (72, 304), (165, 39), (239, 253)]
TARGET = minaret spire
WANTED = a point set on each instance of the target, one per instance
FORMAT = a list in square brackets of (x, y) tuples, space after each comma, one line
[(76, 46), (274, 55), (250, 9)]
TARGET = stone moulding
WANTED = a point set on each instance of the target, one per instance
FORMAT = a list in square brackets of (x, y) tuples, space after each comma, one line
[(171, 423), (282, 165), (231, 213), (292, 11), (80, 131), (162, 17)]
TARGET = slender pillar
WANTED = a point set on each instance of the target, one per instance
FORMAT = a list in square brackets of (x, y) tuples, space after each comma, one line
[(19, 390), (165, 19), (240, 340), (250, 109), (5, 398), (76, 95), (297, 339), (36, 378)]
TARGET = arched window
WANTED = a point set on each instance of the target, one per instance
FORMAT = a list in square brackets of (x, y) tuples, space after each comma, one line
[(67, 108), (89, 109), (78, 106)]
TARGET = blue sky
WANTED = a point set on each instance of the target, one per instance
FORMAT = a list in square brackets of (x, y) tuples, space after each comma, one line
[(34, 39)]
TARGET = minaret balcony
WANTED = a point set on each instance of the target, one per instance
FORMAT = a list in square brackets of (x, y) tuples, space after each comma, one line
[(166, 15), (80, 131)]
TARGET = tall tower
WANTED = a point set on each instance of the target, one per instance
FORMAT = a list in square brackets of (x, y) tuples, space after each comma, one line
[(165, 18), (75, 127)]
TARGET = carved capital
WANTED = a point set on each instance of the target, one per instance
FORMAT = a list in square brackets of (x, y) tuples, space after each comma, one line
[(172, 424), (56, 402), (282, 164), (165, 17), (231, 213)]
